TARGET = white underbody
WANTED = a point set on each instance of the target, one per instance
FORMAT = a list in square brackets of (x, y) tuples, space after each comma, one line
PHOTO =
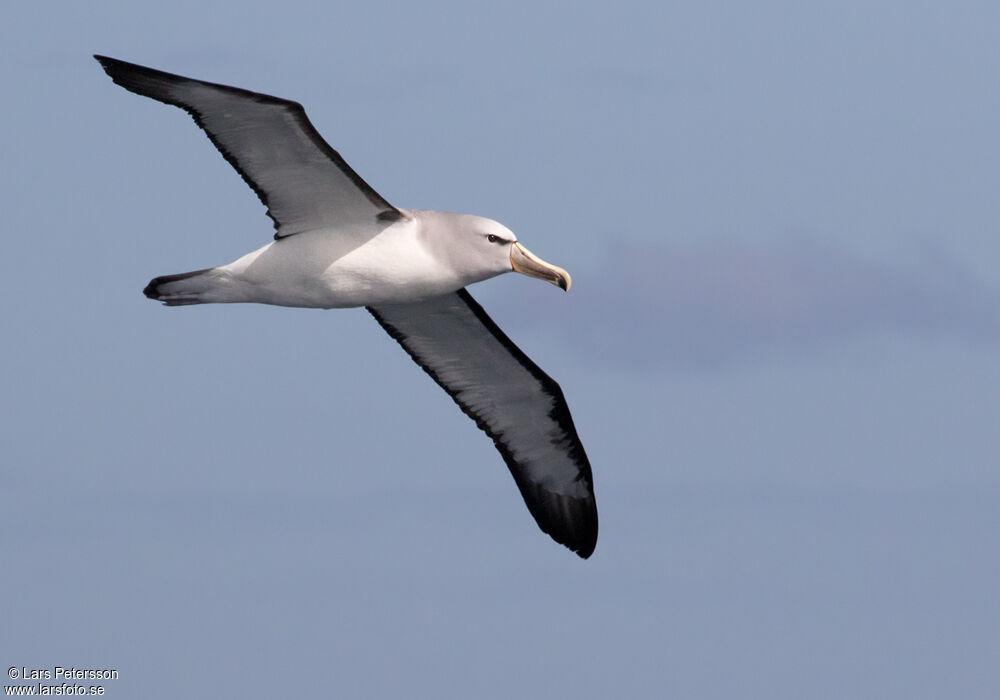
[(342, 268)]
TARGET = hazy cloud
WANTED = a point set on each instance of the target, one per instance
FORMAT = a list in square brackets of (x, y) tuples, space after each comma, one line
[(727, 302)]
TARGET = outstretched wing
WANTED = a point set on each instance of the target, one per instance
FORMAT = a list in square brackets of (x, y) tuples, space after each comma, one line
[(303, 182), (512, 400)]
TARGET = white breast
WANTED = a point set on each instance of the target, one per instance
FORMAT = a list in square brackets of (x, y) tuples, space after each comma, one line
[(326, 269)]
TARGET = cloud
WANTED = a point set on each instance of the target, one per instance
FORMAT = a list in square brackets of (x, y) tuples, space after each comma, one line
[(724, 303)]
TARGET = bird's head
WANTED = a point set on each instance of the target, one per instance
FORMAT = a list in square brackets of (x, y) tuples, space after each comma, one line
[(493, 246), (477, 248)]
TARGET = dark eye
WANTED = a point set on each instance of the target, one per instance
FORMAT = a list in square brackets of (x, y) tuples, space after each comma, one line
[(494, 239)]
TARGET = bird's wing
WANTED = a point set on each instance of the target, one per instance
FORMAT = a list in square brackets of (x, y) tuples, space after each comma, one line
[(512, 400), (303, 182)]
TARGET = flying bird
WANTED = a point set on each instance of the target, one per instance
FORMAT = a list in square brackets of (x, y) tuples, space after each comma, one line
[(338, 243)]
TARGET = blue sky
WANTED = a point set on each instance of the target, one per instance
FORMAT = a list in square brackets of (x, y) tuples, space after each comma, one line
[(780, 351)]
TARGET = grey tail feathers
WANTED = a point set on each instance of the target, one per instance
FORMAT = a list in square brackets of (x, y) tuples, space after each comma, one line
[(179, 290)]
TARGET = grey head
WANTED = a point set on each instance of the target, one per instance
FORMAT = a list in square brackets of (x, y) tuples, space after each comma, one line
[(482, 248)]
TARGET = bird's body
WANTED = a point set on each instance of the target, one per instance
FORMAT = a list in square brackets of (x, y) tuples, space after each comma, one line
[(407, 260), (338, 243)]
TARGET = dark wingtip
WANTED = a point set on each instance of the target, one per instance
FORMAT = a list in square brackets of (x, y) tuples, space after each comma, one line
[(584, 547), (582, 538), (150, 289), (106, 62), (572, 522)]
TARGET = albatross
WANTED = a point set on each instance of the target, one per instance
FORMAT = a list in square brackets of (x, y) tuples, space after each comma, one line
[(338, 243)]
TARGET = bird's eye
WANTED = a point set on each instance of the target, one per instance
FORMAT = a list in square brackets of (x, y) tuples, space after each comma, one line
[(493, 239)]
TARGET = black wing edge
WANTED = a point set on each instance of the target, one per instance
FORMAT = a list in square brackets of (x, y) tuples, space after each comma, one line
[(143, 81), (572, 522)]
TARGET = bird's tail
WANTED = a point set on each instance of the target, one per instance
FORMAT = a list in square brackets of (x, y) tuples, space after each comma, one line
[(183, 289)]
